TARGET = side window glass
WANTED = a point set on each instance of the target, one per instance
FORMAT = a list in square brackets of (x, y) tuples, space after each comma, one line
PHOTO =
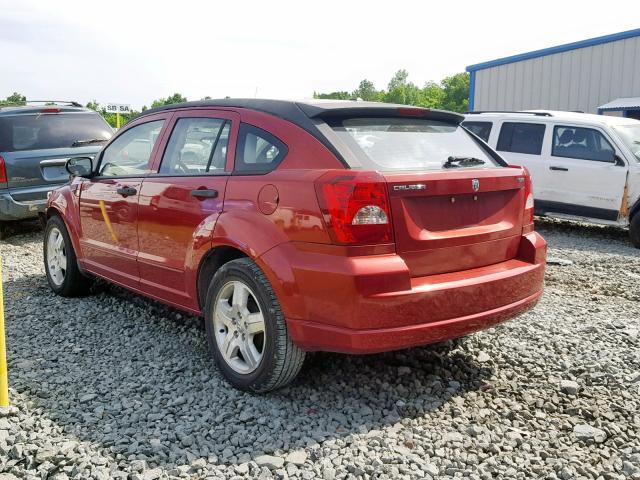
[(196, 146), (129, 154), (481, 129), (521, 138), (258, 151), (581, 143)]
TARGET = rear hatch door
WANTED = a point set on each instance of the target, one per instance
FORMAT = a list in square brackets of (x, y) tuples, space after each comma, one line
[(30, 169), (455, 205), (456, 220)]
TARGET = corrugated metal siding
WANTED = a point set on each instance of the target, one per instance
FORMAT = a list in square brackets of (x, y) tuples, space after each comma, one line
[(578, 79)]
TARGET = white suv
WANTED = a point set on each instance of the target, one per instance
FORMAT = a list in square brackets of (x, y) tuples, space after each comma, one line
[(584, 167)]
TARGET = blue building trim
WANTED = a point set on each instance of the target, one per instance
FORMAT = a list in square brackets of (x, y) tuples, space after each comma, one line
[(472, 89), (549, 51), (617, 109), (625, 110)]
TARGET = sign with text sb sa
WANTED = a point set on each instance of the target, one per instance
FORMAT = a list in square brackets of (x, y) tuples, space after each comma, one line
[(121, 108)]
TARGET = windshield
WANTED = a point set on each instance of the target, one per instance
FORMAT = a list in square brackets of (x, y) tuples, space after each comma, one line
[(390, 144), (630, 135), (51, 130)]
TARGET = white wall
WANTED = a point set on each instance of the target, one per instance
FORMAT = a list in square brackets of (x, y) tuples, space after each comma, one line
[(579, 79)]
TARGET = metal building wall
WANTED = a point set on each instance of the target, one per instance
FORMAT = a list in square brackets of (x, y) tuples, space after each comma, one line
[(580, 79)]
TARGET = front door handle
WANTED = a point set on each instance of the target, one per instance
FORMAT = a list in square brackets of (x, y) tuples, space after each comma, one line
[(560, 169), (204, 193), (126, 191)]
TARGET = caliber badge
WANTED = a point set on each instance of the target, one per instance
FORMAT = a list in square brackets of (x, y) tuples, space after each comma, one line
[(412, 186)]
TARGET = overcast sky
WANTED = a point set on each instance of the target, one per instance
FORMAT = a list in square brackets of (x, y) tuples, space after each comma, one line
[(135, 51)]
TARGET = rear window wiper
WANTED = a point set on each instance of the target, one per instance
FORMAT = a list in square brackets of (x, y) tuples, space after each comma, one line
[(88, 141), (454, 162)]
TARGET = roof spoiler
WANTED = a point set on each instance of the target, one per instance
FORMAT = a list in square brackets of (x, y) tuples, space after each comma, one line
[(371, 109)]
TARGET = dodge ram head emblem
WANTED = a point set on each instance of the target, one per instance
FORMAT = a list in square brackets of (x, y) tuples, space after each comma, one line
[(475, 184)]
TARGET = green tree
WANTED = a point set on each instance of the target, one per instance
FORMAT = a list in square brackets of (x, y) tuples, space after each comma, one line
[(333, 95), (452, 93), (402, 91), (175, 98), (456, 92), (432, 95), (94, 105), (367, 91), (14, 99), (399, 79)]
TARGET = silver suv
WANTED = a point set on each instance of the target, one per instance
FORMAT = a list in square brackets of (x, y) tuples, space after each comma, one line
[(35, 143)]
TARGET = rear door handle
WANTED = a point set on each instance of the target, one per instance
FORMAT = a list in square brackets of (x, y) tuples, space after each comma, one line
[(560, 169), (126, 191), (204, 193)]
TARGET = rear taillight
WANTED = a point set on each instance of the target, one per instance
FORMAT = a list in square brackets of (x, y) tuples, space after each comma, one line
[(3, 171), (527, 218), (355, 206)]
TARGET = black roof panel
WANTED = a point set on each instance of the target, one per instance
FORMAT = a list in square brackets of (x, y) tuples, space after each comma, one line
[(305, 114), (293, 110)]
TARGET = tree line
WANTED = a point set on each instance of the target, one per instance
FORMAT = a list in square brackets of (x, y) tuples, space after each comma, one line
[(451, 93)]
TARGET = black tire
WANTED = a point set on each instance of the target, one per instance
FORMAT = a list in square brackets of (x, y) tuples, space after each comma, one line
[(447, 345), (74, 283), (5, 230), (281, 358), (634, 230)]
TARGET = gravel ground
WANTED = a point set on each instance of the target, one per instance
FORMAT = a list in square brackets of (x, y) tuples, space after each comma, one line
[(116, 386)]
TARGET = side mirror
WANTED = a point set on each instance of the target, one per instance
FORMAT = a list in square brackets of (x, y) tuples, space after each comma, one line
[(80, 167), (619, 161)]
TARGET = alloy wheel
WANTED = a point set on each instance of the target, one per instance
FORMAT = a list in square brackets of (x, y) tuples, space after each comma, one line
[(56, 256), (239, 327)]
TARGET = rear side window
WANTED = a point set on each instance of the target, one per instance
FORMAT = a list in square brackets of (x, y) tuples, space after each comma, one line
[(521, 138), (52, 130), (481, 129), (258, 151), (581, 143), (411, 144), (197, 146)]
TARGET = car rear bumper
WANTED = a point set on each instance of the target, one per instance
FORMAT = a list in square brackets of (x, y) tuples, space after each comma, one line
[(11, 209), (371, 304), (314, 336), (25, 202)]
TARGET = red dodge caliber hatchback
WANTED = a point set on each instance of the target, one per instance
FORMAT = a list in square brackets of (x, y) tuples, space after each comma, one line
[(349, 227)]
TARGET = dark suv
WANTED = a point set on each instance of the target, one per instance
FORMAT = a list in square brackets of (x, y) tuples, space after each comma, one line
[(35, 143)]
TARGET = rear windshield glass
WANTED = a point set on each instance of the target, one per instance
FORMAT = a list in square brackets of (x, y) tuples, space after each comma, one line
[(390, 144), (52, 130)]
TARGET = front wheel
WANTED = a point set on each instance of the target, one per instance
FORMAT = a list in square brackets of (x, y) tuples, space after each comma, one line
[(60, 263), (246, 329), (634, 230)]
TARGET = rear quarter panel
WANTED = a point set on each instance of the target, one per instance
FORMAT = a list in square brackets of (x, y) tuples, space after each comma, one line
[(262, 211)]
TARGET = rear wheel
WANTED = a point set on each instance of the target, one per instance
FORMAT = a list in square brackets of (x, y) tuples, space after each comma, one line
[(246, 329), (60, 262), (634, 230)]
